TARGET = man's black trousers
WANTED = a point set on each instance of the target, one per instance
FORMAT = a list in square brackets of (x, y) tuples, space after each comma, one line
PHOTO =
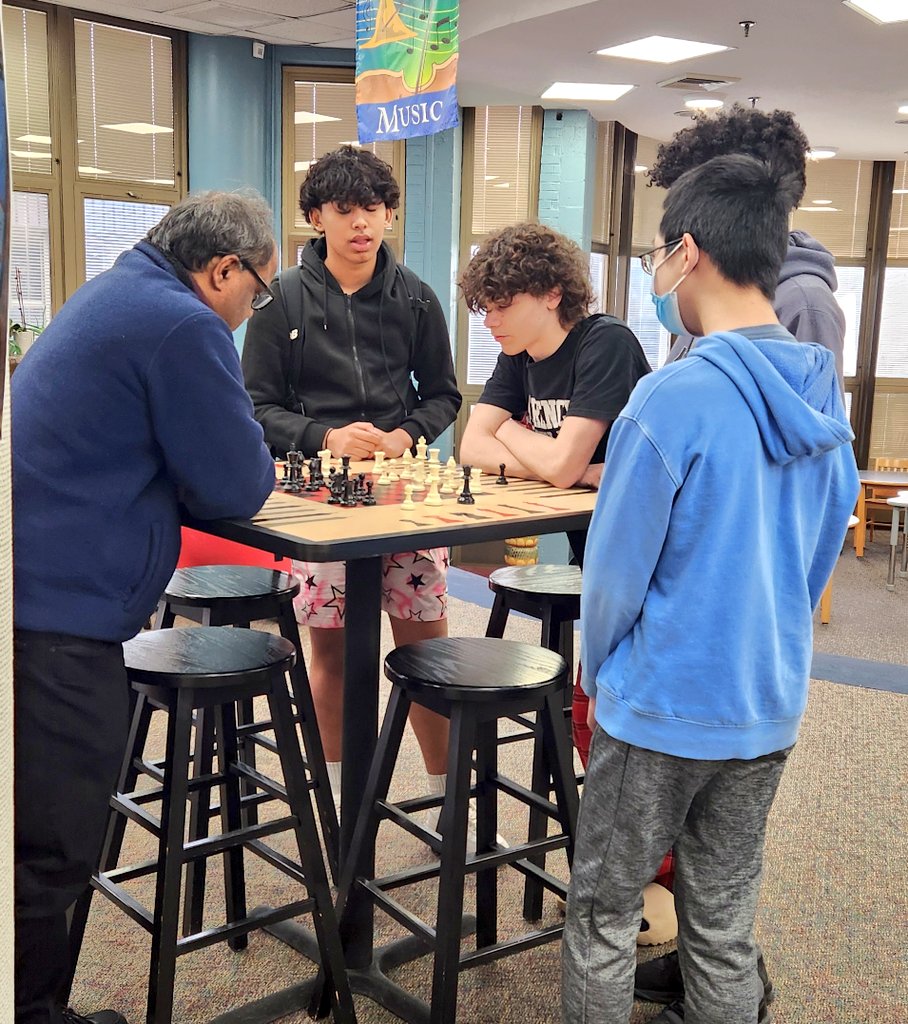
[(71, 716)]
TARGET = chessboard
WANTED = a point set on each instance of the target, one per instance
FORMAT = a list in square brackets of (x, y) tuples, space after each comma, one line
[(328, 510)]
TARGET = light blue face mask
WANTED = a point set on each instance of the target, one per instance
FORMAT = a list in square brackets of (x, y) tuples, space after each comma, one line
[(668, 311)]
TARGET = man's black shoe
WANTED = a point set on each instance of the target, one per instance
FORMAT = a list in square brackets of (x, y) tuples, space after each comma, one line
[(660, 980), (674, 1014), (100, 1017)]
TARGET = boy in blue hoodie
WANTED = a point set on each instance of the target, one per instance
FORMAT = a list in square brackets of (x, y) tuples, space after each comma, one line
[(696, 643)]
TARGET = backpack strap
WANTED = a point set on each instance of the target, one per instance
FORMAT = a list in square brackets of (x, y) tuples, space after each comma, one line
[(291, 282), (413, 285)]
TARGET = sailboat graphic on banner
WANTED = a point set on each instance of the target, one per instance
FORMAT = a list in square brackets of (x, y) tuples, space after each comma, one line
[(388, 27)]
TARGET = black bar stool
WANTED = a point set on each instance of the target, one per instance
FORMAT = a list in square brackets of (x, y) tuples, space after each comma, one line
[(237, 595), (550, 593), (472, 682), (182, 671)]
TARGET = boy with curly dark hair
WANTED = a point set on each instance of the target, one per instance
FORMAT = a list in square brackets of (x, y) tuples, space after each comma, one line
[(805, 302), (361, 364), (562, 376)]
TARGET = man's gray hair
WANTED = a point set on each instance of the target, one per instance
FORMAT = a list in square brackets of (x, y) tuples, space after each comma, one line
[(207, 224)]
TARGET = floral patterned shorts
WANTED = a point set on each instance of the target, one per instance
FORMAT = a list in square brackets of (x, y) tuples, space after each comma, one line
[(414, 586)]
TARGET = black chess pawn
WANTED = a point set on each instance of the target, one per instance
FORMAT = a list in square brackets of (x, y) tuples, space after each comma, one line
[(349, 498), (336, 487), (368, 500), (465, 497), (502, 479)]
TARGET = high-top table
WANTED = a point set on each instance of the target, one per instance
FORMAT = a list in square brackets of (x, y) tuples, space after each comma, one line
[(305, 527), (873, 478)]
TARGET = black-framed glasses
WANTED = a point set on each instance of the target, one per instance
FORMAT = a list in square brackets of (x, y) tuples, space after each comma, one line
[(261, 298), (646, 259)]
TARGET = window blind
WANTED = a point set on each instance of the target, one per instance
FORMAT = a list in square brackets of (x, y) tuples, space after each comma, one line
[(125, 132), (111, 226), (27, 90), (889, 433), (502, 152), (836, 206), (641, 316), (29, 259), (324, 117), (648, 198), (898, 227), (602, 185)]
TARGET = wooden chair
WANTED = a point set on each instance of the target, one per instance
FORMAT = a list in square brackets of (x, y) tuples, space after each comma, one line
[(877, 496)]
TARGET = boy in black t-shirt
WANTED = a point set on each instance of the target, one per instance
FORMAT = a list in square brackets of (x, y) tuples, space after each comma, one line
[(562, 376)]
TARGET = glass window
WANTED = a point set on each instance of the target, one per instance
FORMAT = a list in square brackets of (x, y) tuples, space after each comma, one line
[(598, 265), (892, 360), (502, 157), (112, 226), (602, 184), (29, 260), (642, 319), (898, 225), (124, 104), (648, 198), (849, 295), (836, 206)]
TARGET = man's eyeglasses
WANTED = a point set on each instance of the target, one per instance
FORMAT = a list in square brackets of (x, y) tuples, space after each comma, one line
[(263, 297), (646, 259)]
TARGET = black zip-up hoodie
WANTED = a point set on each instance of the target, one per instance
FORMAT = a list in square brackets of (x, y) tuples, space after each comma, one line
[(358, 354)]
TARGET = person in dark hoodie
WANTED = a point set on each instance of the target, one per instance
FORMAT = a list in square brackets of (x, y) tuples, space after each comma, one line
[(338, 374), (130, 407), (696, 648), (804, 301)]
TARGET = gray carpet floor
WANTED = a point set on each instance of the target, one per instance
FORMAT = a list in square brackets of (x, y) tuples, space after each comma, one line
[(833, 918)]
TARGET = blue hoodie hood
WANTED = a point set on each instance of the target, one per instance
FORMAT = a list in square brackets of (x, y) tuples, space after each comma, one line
[(790, 389), (728, 483)]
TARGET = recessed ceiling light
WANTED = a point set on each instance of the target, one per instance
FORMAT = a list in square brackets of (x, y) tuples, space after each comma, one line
[(640, 168), (44, 140), (704, 101), (139, 128), (821, 202), (662, 49), (903, 109), (600, 92), (821, 153), (818, 209), (309, 117), (883, 12)]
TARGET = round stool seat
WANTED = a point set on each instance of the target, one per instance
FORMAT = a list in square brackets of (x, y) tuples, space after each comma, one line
[(200, 656), (557, 584), (216, 586), (475, 668)]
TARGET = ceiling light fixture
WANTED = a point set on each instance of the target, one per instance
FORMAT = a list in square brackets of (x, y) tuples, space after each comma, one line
[(818, 209), (662, 49), (883, 12), (640, 168), (821, 153), (821, 202), (310, 117), (597, 92), (704, 101), (139, 128), (44, 140), (903, 109)]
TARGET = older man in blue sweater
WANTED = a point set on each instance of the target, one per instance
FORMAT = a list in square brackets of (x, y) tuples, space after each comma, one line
[(131, 406)]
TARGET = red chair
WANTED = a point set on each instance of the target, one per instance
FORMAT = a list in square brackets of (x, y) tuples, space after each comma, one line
[(203, 549)]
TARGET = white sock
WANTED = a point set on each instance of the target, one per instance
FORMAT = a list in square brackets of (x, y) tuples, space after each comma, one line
[(334, 777), (435, 784)]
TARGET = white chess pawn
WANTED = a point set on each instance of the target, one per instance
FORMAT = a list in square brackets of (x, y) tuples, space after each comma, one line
[(421, 449), (392, 470), (476, 486), (433, 497), (379, 466), (408, 502), (451, 464), (406, 472)]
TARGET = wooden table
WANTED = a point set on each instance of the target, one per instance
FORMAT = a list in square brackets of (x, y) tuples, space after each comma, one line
[(873, 478), (304, 527)]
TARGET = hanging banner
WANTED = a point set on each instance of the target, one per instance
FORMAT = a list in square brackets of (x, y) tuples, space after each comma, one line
[(406, 68)]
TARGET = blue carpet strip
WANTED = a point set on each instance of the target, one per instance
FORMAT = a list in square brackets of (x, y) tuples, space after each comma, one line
[(873, 675)]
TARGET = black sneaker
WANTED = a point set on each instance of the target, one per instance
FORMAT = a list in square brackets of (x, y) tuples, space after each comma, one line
[(100, 1017), (660, 980), (674, 1014)]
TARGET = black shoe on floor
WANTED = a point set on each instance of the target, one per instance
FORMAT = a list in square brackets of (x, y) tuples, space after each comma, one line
[(100, 1017), (674, 1014), (660, 980)]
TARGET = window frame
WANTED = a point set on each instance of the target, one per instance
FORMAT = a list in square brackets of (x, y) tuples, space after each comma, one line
[(66, 190), (291, 236)]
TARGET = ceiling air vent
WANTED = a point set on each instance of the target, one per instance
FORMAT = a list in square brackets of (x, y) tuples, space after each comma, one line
[(692, 82)]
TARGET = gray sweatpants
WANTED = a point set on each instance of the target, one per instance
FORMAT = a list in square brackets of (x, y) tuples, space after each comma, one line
[(638, 804)]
